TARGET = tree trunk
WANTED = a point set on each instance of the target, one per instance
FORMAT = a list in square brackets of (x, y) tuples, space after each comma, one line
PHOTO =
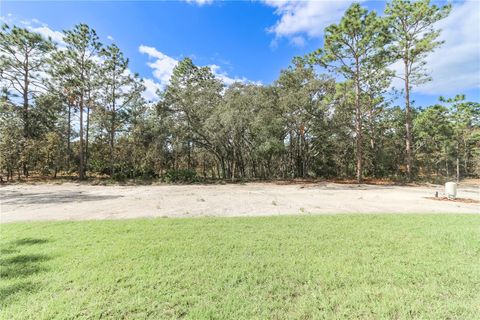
[(212, 169), (447, 171), (358, 126), (292, 164), (26, 127), (86, 138), (25, 111), (204, 167), (458, 162), (233, 165), (69, 134), (373, 141), (224, 172), (112, 134), (81, 169), (408, 124), (458, 170), (298, 157), (189, 156)]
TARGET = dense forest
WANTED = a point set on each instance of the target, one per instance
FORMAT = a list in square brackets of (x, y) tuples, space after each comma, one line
[(77, 110)]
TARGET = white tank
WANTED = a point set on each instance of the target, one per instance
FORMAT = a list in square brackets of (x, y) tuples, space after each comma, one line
[(451, 190)]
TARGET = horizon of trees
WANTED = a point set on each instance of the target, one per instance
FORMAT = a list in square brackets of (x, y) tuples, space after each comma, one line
[(78, 110)]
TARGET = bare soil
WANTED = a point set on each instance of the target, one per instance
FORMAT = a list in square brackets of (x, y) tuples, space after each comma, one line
[(464, 200), (73, 201)]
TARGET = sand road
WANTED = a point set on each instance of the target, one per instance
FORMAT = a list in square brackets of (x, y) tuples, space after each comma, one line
[(70, 201)]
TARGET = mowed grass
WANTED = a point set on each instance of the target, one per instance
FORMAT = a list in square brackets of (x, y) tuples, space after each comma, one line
[(343, 266)]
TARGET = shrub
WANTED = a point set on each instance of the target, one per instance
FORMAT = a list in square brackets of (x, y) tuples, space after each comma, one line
[(181, 175)]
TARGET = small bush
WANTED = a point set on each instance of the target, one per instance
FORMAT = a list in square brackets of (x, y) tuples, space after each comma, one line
[(181, 176)]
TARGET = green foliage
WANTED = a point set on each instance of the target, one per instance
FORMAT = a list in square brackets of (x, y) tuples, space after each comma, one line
[(77, 68), (447, 136), (355, 49), (414, 35), (181, 175), (22, 62), (304, 99), (88, 116)]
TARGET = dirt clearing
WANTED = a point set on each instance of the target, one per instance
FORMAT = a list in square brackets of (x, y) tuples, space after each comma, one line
[(70, 201)]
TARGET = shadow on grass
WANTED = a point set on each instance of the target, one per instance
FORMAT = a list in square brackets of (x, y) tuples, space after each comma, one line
[(15, 197), (7, 251), (16, 266), (22, 265), (12, 246), (29, 241), (20, 287)]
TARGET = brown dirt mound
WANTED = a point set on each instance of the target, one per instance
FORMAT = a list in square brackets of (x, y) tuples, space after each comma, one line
[(462, 200)]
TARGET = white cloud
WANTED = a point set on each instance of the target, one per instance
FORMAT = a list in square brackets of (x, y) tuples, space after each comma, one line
[(151, 51), (223, 76), (200, 2), (305, 17), (455, 66), (8, 19), (45, 31), (299, 41), (151, 87), (35, 25), (163, 66)]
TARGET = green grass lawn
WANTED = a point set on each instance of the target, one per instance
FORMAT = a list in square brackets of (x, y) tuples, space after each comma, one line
[(344, 266)]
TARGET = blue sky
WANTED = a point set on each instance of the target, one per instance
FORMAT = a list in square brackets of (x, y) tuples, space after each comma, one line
[(246, 41)]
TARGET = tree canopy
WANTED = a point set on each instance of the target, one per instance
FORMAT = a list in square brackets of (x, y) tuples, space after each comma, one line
[(78, 110)]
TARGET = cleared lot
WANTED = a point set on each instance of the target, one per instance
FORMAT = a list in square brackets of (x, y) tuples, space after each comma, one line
[(71, 201)]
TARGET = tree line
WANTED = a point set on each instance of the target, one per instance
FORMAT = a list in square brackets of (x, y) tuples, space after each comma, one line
[(77, 109)]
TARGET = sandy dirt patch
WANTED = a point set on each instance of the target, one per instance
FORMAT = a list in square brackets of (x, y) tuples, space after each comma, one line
[(70, 201)]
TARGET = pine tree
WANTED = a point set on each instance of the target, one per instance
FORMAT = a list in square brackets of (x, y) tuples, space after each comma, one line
[(414, 36), (22, 61), (351, 49), (78, 62)]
